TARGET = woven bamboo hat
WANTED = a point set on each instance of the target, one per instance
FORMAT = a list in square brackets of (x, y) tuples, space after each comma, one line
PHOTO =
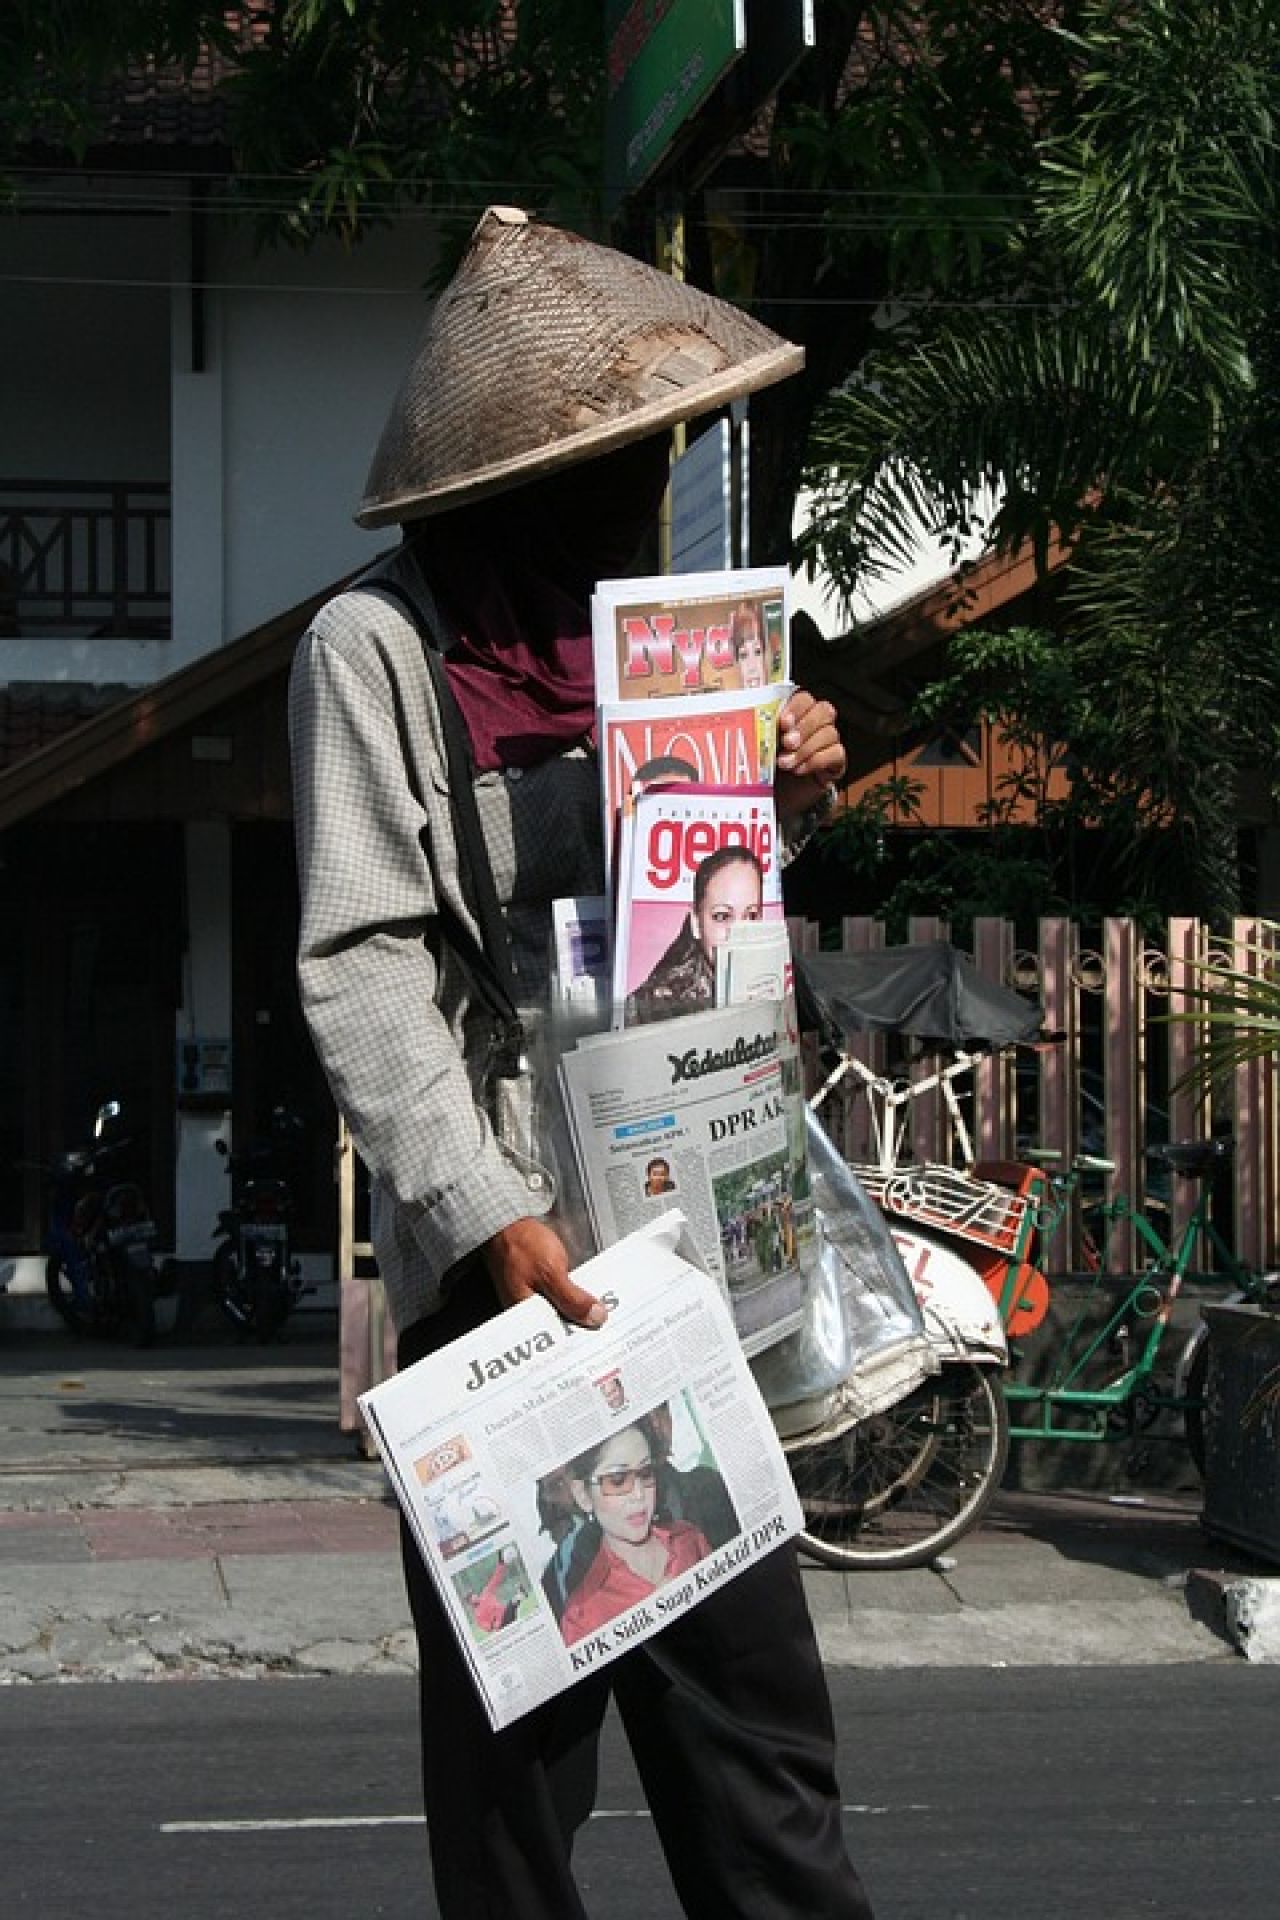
[(545, 349)]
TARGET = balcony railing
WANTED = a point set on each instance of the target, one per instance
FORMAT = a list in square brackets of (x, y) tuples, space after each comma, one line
[(84, 559)]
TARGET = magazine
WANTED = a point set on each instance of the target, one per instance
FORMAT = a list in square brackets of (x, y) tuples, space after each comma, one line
[(694, 862), (717, 740), (573, 1492), (694, 633), (580, 970), (698, 1112)]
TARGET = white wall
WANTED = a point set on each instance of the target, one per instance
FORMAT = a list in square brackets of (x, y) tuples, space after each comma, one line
[(266, 442), (932, 562), (315, 347)]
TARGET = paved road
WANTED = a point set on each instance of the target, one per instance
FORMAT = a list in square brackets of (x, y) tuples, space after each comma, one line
[(1114, 1793)]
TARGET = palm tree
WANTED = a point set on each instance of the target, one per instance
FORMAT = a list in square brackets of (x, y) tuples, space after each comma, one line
[(1125, 398)]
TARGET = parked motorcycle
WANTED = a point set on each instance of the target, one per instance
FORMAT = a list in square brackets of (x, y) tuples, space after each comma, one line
[(257, 1278), (100, 1274)]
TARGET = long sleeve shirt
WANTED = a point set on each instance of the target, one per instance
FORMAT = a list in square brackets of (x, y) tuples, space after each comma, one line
[(388, 1004)]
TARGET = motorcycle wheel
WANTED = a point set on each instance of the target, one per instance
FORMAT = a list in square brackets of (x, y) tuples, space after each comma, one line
[(896, 1490), (76, 1313), (227, 1291), (138, 1286), (270, 1306)]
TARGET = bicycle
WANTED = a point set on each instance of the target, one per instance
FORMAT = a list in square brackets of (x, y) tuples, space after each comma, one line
[(1131, 1400), (896, 1490)]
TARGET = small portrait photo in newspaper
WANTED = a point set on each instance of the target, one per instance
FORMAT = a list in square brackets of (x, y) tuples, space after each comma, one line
[(658, 1178), (495, 1592), (612, 1389), (646, 1503)]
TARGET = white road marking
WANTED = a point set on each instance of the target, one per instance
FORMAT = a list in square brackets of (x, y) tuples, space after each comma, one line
[(320, 1822)]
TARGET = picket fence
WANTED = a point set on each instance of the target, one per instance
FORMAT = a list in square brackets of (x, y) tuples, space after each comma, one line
[(1121, 1078)]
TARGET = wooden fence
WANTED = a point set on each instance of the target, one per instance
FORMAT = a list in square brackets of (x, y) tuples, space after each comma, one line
[(1119, 1080)]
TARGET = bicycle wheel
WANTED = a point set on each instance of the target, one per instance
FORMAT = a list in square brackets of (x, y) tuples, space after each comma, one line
[(895, 1490)]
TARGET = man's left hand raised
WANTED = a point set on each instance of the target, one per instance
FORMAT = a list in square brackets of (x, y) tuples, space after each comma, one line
[(810, 756)]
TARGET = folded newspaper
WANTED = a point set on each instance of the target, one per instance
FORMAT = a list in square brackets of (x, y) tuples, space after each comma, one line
[(573, 1492), (701, 1112)]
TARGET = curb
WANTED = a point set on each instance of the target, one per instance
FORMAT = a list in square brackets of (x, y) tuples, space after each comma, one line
[(1243, 1610)]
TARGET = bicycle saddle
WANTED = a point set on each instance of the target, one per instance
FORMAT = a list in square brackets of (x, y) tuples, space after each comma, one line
[(1194, 1158)]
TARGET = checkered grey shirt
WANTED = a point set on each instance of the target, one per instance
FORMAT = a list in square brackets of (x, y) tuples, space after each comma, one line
[(385, 999)]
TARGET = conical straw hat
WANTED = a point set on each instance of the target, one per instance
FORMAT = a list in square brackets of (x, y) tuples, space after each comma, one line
[(545, 349)]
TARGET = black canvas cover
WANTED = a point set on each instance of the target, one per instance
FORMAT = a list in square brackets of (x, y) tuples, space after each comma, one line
[(932, 991)]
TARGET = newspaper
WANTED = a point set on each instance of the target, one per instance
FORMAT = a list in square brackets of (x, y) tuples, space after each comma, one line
[(695, 633), (573, 1492), (754, 963), (700, 1112), (694, 863)]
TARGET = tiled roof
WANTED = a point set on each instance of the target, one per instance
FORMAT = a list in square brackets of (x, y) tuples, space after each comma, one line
[(154, 106), (33, 713), (165, 106)]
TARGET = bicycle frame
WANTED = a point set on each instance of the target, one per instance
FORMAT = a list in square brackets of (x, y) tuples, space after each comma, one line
[(1149, 1298), (993, 1213), (889, 1101)]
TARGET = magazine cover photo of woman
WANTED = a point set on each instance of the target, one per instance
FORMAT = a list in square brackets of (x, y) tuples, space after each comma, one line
[(747, 640), (728, 887)]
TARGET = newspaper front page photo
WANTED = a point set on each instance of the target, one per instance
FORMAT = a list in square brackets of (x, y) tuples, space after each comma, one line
[(573, 1491)]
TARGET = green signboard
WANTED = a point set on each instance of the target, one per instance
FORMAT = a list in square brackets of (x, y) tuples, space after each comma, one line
[(665, 58)]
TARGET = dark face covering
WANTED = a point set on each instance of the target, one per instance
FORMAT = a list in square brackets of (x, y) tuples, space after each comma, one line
[(514, 575)]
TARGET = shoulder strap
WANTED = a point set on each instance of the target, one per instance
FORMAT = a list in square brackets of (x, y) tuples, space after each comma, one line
[(490, 962)]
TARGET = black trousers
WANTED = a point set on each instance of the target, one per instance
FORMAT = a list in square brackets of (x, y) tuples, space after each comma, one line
[(728, 1718)]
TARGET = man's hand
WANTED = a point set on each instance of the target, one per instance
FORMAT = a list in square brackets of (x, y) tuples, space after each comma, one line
[(810, 756), (528, 1257)]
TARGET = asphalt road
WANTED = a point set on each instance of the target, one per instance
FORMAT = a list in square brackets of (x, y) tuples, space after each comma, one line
[(970, 1795)]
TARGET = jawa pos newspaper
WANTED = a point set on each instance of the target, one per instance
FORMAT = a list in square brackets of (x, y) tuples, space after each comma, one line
[(572, 1492)]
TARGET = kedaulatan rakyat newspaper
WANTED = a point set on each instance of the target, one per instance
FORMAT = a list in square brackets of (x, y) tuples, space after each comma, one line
[(693, 862), (675, 635), (573, 1492), (696, 1112)]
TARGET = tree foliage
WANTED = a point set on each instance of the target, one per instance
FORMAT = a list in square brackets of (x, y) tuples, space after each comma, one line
[(1125, 403), (890, 166)]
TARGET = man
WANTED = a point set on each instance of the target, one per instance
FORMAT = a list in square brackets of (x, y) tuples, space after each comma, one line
[(525, 456), (657, 1179)]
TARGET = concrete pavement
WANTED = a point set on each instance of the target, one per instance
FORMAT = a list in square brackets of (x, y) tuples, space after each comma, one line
[(195, 1511)]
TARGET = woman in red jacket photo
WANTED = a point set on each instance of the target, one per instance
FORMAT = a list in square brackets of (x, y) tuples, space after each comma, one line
[(615, 1486)]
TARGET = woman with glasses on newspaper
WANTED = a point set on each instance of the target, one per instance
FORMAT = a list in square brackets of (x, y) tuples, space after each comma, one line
[(615, 1485)]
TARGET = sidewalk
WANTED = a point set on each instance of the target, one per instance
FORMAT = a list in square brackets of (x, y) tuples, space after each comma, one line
[(195, 1511)]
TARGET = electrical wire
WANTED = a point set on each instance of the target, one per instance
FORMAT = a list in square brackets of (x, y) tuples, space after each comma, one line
[(923, 302)]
